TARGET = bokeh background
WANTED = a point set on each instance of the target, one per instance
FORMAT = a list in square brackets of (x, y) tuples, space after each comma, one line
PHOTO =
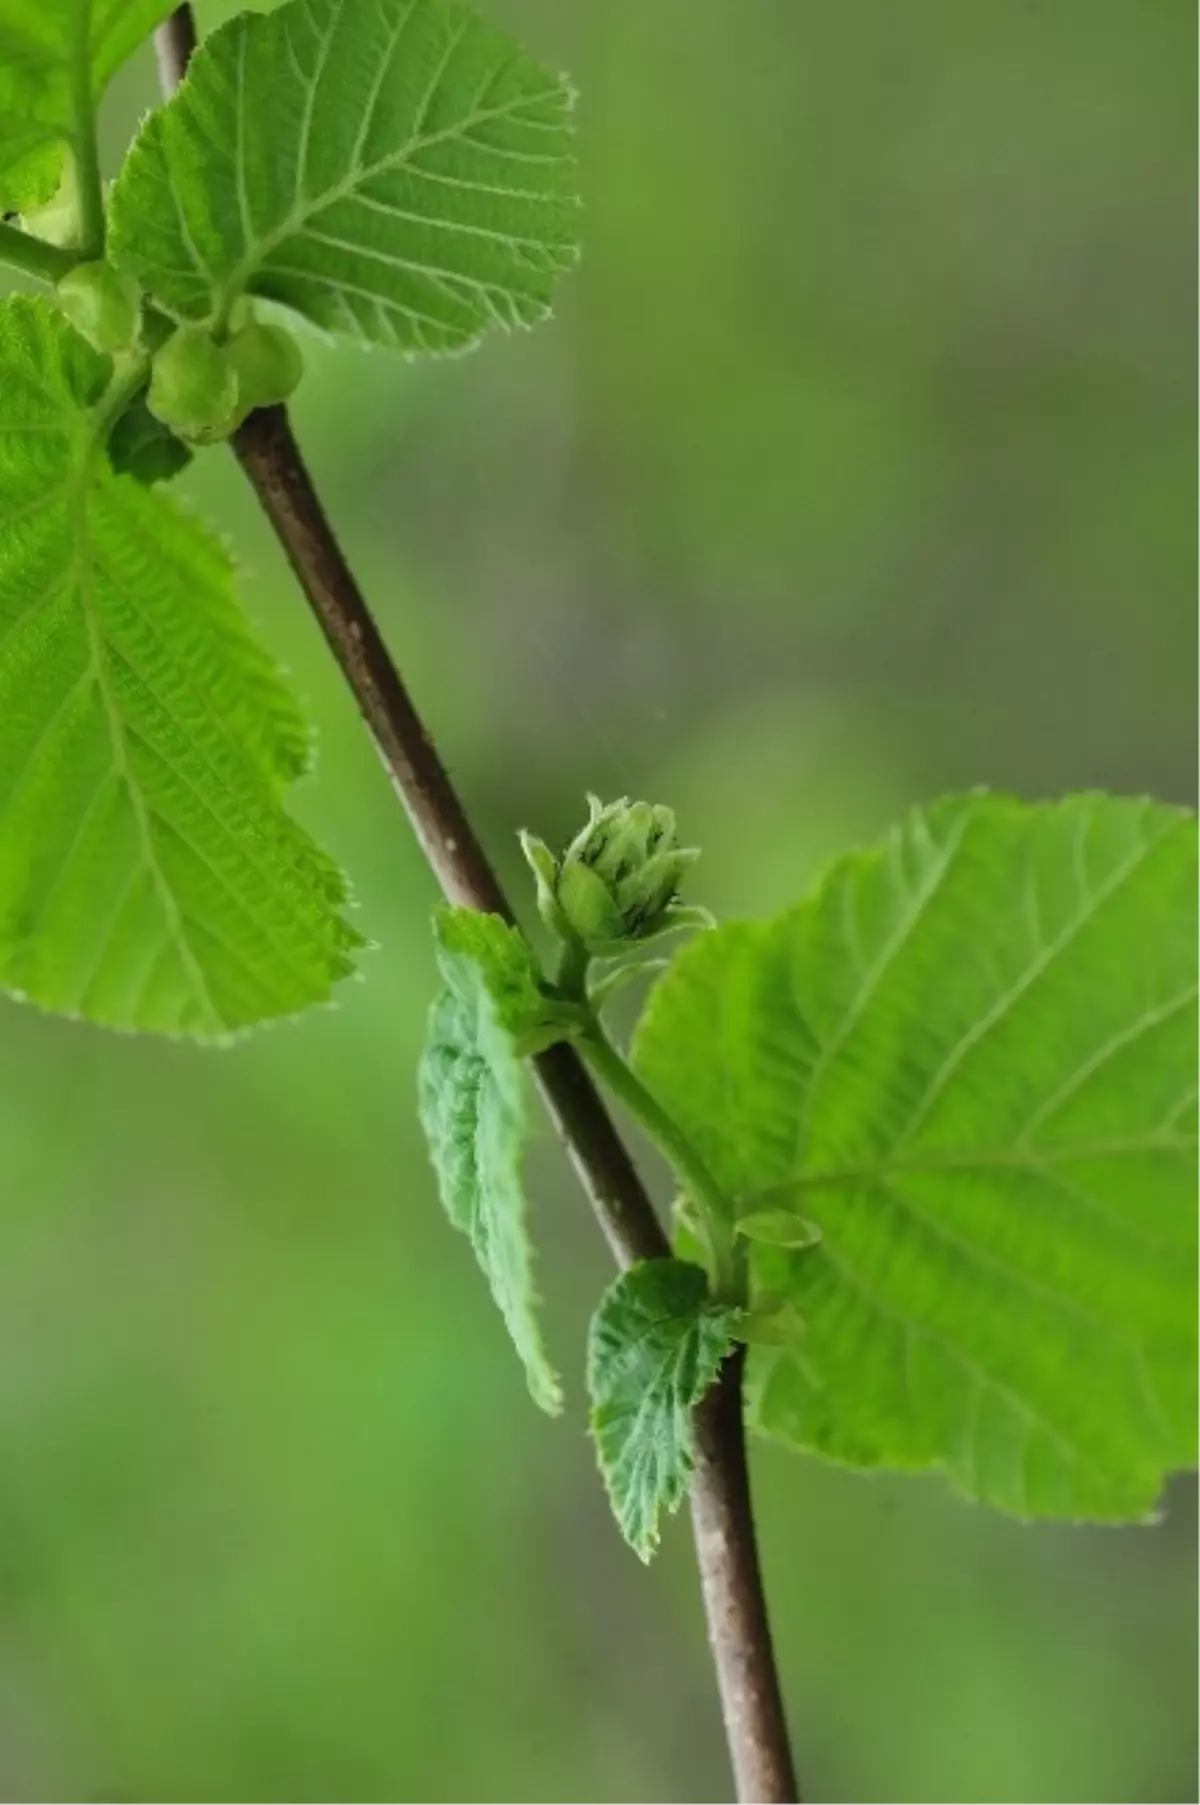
[(857, 465)]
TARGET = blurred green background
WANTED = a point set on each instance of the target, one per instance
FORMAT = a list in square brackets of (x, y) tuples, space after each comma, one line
[(857, 465)]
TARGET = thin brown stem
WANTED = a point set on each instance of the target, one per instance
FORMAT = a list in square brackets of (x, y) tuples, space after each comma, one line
[(735, 1603), (268, 453), (725, 1541), (174, 42), (34, 256)]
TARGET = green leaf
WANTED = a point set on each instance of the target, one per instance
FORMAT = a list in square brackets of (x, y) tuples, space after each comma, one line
[(149, 878), (772, 1321), (397, 171), (655, 1346), (50, 50), (471, 1090), (970, 1059), (142, 447), (476, 949)]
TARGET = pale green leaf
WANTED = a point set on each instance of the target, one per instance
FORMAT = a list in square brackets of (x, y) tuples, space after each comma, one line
[(772, 1321), (149, 877), (778, 1228), (49, 50), (398, 171), (970, 1059), (655, 1346), (476, 949), (471, 1090)]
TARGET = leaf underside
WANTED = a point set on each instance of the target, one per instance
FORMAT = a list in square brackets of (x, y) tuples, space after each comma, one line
[(149, 878), (655, 1346), (969, 1058), (45, 45), (471, 1091), (142, 447), (397, 171)]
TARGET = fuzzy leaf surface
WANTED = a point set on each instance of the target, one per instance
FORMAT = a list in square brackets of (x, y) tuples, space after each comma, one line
[(149, 876), (655, 1346), (47, 49), (969, 1059), (398, 171), (471, 1091)]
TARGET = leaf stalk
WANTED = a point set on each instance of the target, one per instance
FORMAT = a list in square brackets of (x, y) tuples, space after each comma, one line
[(84, 142), (35, 256), (689, 1166)]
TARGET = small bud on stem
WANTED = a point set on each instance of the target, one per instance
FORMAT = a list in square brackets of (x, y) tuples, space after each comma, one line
[(617, 883)]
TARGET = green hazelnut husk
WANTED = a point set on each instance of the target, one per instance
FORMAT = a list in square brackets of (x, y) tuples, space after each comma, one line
[(268, 363), (102, 304), (193, 386)]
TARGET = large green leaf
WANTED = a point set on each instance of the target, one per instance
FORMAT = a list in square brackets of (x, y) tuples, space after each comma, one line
[(51, 51), (149, 878), (398, 171), (969, 1058), (471, 1091), (656, 1344)]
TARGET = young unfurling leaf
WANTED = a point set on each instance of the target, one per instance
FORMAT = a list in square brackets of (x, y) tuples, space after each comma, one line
[(656, 1344), (141, 446), (472, 1100)]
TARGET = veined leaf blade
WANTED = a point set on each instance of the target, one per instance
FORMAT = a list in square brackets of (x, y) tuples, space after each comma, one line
[(969, 1058), (655, 1346), (471, 1094), (399, 172), (149, 878)]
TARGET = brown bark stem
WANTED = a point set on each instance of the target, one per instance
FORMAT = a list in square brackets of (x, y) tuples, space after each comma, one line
[(725, 1542), (735, 1603), (268, 453), (174, 42)]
